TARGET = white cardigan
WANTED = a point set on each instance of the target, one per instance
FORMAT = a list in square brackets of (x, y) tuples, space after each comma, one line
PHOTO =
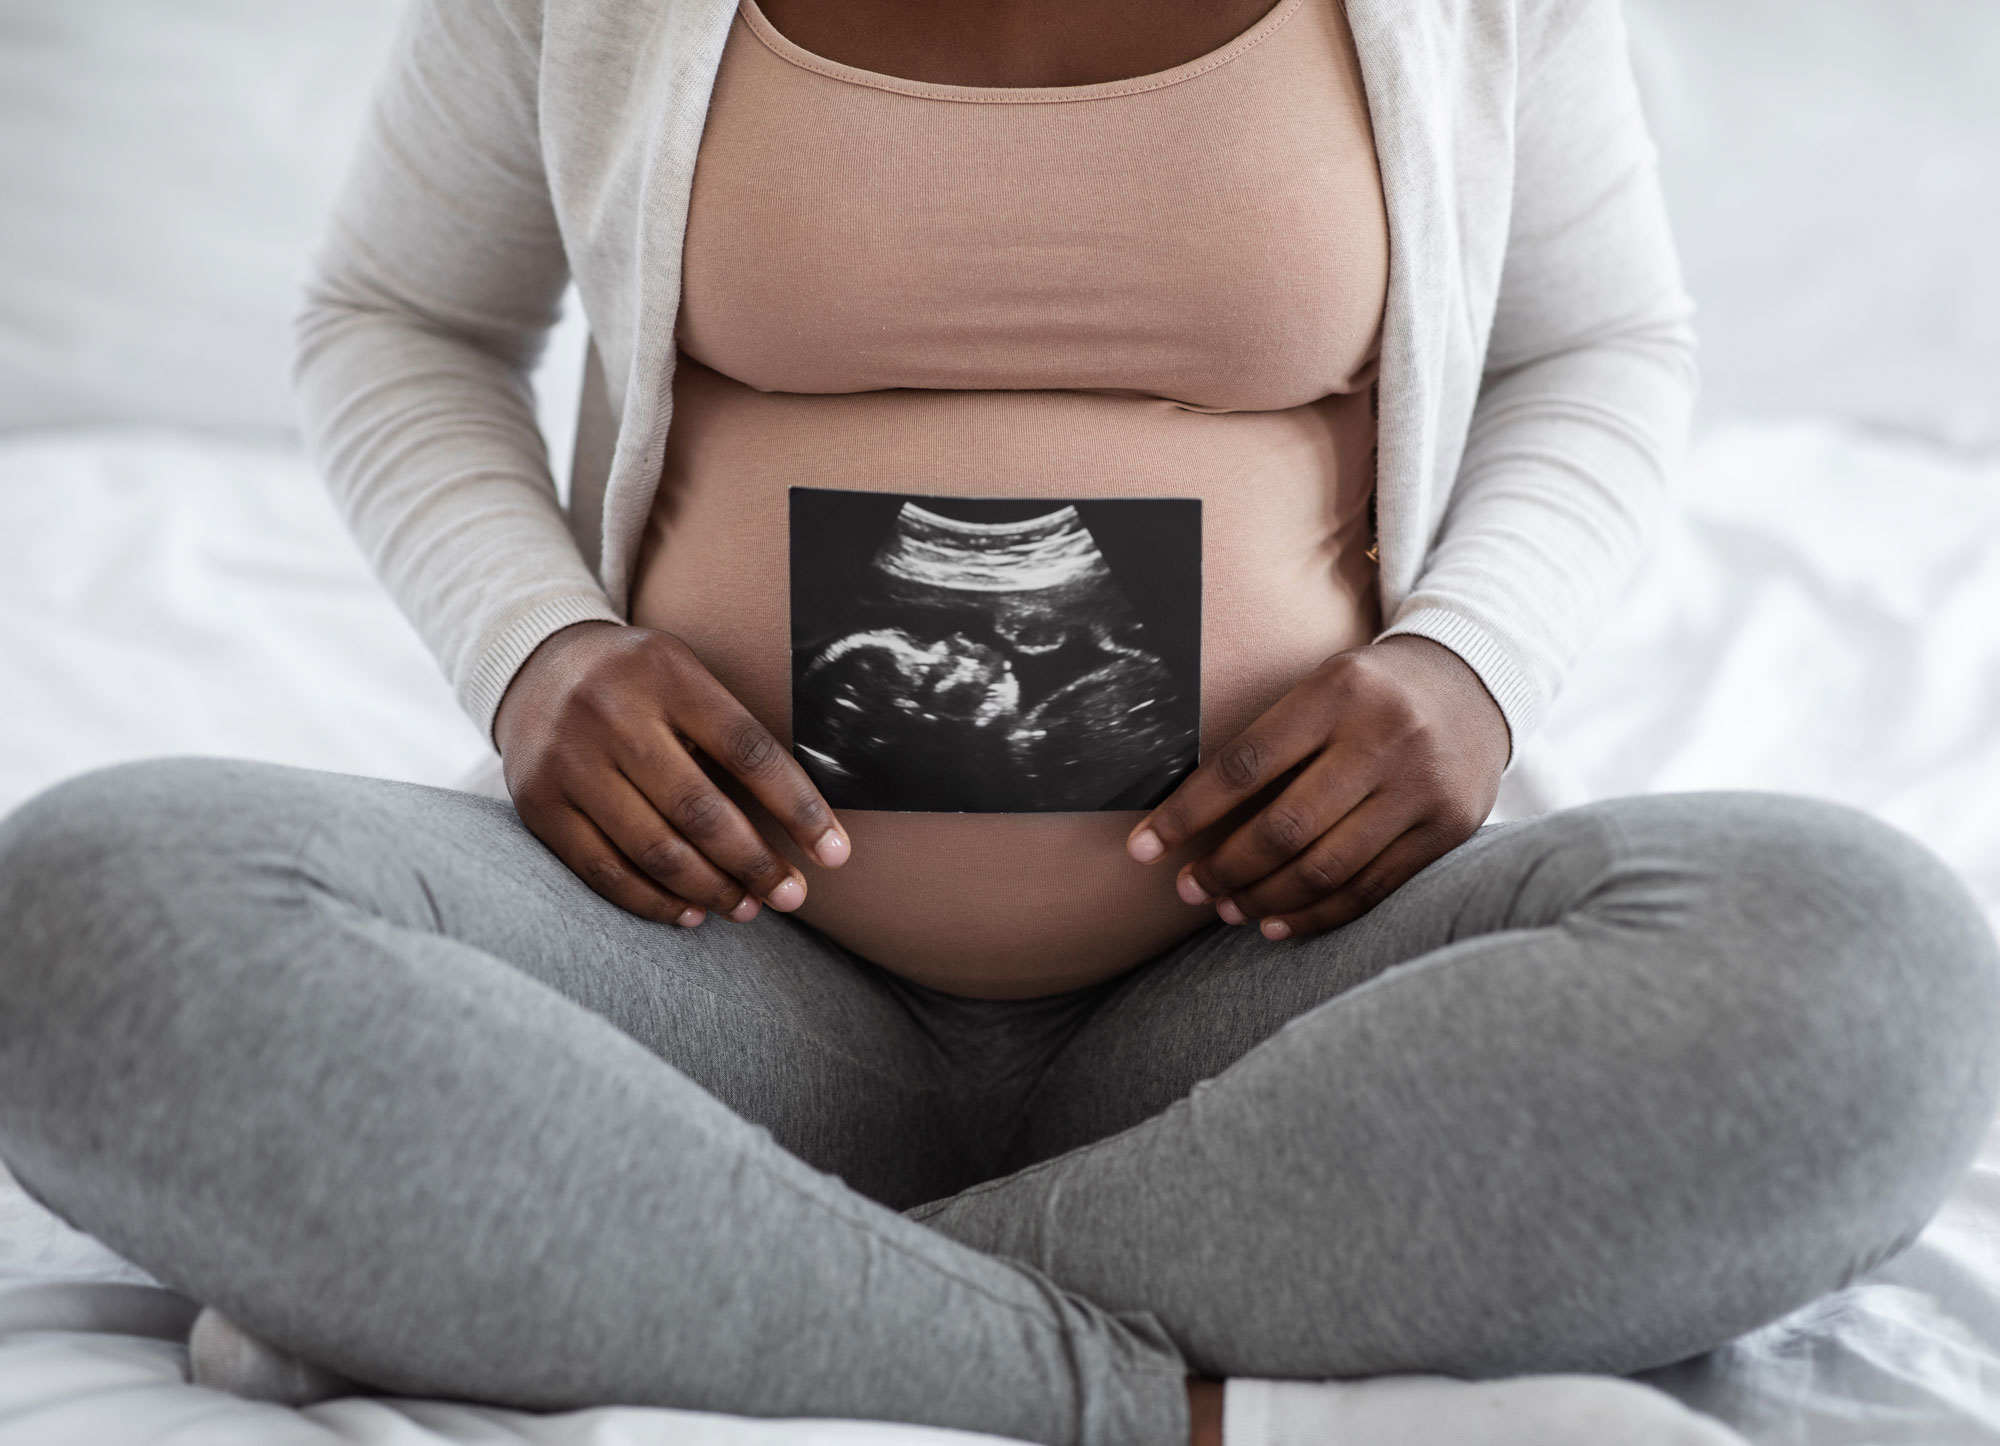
[(1537, 363)]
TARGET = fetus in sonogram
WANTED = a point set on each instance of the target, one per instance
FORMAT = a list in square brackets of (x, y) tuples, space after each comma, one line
[(990, 667)]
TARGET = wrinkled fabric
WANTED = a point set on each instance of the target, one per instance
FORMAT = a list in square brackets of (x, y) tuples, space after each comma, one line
[(365, 1067)]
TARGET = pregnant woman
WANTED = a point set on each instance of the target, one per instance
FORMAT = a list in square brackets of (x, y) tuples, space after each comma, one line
[(1077, 502)]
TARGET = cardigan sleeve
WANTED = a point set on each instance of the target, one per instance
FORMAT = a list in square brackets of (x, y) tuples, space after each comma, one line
[(1589, 381), (432, 293)]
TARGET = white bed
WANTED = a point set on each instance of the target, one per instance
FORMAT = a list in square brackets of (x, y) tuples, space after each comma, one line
[(1823, 613)]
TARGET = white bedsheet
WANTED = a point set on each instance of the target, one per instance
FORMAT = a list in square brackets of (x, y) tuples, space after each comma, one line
[(1824, 617), (166, 593)]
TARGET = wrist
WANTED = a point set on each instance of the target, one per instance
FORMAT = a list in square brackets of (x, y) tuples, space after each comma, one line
[(550, 662), (1470, 702)]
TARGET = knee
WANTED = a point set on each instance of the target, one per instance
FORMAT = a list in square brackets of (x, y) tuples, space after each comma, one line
[(1904, 935), (63, 852), (89, 869), (1861, 913), (130, 816), (1875, 980)]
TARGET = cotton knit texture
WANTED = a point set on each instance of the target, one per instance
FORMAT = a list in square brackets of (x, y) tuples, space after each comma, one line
[(1537, 360)]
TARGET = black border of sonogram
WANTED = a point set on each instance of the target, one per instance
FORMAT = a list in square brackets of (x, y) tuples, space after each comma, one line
[(1153, 552)]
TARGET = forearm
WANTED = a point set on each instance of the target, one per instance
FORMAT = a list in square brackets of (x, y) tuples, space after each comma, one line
[(440, 274), (433, 455), (1590, 378), (1566, 476)]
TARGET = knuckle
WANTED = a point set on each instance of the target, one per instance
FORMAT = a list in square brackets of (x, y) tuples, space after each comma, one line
[(664, 858), (750, 748), (1370, 890), (1457, 823), (1320, 874), (1363, 671), (1431, 832), (1340, 669), (667, 663), (1344, 683), (605, 876), (690, 691), (534, 793), (1399, 715), (1373, 754), (1239, 764), (659, 755), (667, 648), (699, 810), (596, 695), (1283, 829)]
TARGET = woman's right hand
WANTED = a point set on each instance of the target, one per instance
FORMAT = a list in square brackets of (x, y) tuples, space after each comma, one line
[(597, 734)]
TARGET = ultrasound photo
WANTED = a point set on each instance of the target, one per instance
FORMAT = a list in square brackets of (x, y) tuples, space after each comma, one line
[(986, 655)]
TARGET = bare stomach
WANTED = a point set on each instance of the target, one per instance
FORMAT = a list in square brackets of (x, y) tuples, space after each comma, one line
[(997, 903)]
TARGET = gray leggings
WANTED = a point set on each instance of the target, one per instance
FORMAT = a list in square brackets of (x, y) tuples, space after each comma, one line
[(363, 1065)]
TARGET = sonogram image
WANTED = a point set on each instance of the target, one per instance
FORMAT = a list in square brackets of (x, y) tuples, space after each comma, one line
[(976, 655)]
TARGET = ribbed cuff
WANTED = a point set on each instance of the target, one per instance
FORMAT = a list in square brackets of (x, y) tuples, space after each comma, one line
[(1510, 687), (483, 688)]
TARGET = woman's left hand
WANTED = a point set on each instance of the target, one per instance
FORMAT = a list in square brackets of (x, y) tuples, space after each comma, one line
[(1399, 750)]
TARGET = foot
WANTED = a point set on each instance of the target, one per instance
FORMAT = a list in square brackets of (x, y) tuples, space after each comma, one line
[(1553, 1410), (222, 1355)]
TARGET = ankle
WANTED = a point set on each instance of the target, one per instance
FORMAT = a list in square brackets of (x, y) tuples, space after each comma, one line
[(1204, 1412)]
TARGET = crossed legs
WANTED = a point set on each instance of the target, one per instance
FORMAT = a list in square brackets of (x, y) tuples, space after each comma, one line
[(362, 1065)]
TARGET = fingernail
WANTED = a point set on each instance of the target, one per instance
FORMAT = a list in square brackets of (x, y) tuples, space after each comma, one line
[(787, 896), (1277, 929), (745, 911), (1189, 890), (831, 849), (690, 917), (1230, 913), (1145, 846)]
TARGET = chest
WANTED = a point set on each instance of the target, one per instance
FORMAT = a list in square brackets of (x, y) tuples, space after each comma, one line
[(1013, 42), (1212, 233)]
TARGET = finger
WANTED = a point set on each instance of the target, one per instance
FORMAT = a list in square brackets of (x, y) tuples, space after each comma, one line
[(592, 857), (1329, 789), (1330, 862), (707, 818), (1395, 866), (1287, 732), (634, 827), (725, 730)]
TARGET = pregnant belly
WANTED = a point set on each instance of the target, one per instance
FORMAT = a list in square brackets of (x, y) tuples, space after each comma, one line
[(1005, 904)]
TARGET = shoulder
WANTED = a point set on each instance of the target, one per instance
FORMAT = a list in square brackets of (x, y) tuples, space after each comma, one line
[(1483, 44), (1527, 31)]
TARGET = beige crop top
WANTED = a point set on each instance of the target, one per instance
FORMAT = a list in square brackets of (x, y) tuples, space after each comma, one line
[(1021, 438)]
